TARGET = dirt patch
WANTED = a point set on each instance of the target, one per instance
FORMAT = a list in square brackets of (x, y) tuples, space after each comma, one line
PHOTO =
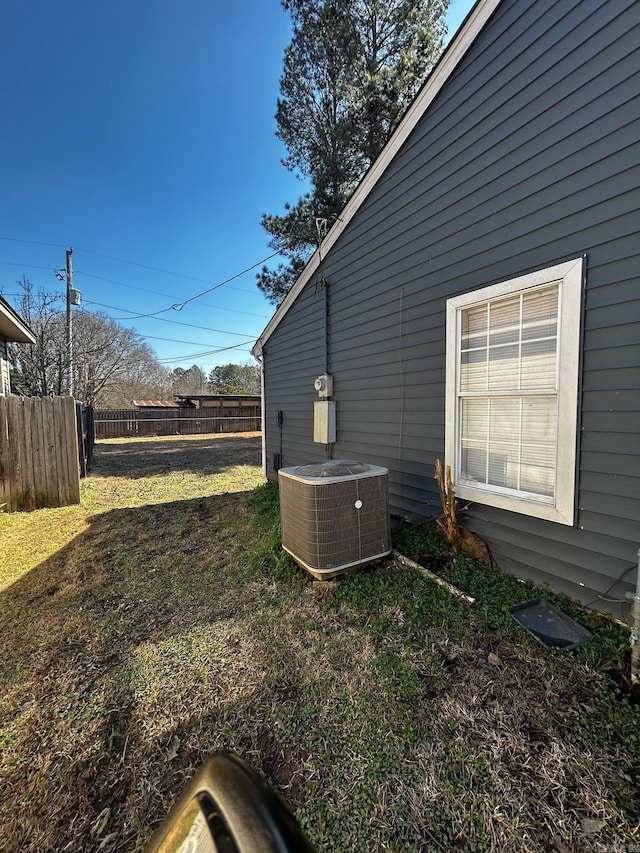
[(435, 564), (621, 676), (150, 457)]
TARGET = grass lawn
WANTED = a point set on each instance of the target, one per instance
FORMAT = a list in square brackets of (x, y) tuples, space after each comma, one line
[(160, 621)]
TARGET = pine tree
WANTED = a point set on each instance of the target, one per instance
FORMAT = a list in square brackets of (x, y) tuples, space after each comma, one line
[(235, 379), (350, 71)]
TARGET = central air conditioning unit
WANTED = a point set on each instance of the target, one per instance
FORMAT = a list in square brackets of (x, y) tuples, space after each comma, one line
[(334, 515)]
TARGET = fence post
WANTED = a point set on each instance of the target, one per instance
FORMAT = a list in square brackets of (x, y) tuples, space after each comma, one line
[(82, 459), (7, 485)]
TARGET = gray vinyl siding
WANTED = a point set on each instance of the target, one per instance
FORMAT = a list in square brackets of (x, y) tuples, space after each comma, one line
[(292, 360), (528, 157)]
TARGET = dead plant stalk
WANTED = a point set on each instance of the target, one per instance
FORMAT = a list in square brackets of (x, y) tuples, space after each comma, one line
[(448, 520)]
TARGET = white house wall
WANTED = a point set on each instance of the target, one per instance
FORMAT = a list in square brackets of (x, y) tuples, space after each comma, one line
[(5, 386)]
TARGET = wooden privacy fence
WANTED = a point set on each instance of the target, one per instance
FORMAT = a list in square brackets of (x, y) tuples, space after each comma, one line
[(86, 436), (44, 445), (120, 423)]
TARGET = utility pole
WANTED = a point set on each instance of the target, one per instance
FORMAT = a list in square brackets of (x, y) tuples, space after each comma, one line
[(69, 341)]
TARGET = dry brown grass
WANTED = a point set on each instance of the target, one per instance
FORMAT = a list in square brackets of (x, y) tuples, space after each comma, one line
[(159, 621)]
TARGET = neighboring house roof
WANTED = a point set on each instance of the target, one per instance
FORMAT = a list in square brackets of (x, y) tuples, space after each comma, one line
[(446, 65), (217, 397), (157, 404), (12, 326)]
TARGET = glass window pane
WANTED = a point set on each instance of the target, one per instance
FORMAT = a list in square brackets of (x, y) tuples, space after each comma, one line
[(539, 364), (475, 420), (540, 313), (503, 464), (539, 416), (473, 370), (510, 443), (508, 411), (474, 327), (504, 419), (537, 472), (473, 463), (504, 368), (475, 414), (504, 321)]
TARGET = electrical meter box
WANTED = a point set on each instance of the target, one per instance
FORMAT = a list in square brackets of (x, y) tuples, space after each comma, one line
[(324, 421), (324, 386)]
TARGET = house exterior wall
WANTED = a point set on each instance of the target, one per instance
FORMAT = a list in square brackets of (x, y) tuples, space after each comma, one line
[(5, 387), (527, 157), (291, 363)]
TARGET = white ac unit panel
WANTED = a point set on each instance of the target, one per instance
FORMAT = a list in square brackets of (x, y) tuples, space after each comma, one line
[(334, 515)]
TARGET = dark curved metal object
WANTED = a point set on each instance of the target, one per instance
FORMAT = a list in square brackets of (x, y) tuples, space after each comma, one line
[(229, 808)]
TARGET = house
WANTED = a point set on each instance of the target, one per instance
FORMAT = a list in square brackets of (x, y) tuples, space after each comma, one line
[(13, 329), (160, 404), (216, 401), (478, 300)]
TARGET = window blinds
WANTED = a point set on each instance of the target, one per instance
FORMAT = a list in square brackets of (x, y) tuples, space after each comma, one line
[(507, 391)]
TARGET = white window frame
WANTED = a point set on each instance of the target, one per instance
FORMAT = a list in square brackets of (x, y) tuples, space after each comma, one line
[(560, 508)]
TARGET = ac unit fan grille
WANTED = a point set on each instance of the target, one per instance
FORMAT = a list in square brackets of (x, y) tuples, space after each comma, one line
[(327, 527)]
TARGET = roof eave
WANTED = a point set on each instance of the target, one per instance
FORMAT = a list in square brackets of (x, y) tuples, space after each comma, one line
[(12, 326)]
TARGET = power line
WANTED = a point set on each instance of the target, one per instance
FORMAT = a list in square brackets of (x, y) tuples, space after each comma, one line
[(146, 266), (177, 306), (151, 316), (199, 354), (168, 296), (142, 289), (167, 272), (154, 315), (161, 319), (122, 284), (35, 242), (154, 337), (173, 340), (180, 305), (26, 266)]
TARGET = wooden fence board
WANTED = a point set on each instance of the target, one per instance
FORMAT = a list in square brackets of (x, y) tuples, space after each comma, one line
[(80, 426), (71, 446), (57, 485), (6, 461), (20, 428), (39, 454), (121, 423), (39, 494), (50, 451), (86, 436), (60, 450), (7, 466)]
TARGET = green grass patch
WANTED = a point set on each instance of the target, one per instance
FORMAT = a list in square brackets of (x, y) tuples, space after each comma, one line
[(161, 621)]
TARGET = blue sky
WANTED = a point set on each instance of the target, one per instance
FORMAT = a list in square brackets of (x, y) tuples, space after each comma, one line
[(143, 135)]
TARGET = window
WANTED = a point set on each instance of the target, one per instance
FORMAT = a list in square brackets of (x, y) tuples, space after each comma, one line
[(512, 392)]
